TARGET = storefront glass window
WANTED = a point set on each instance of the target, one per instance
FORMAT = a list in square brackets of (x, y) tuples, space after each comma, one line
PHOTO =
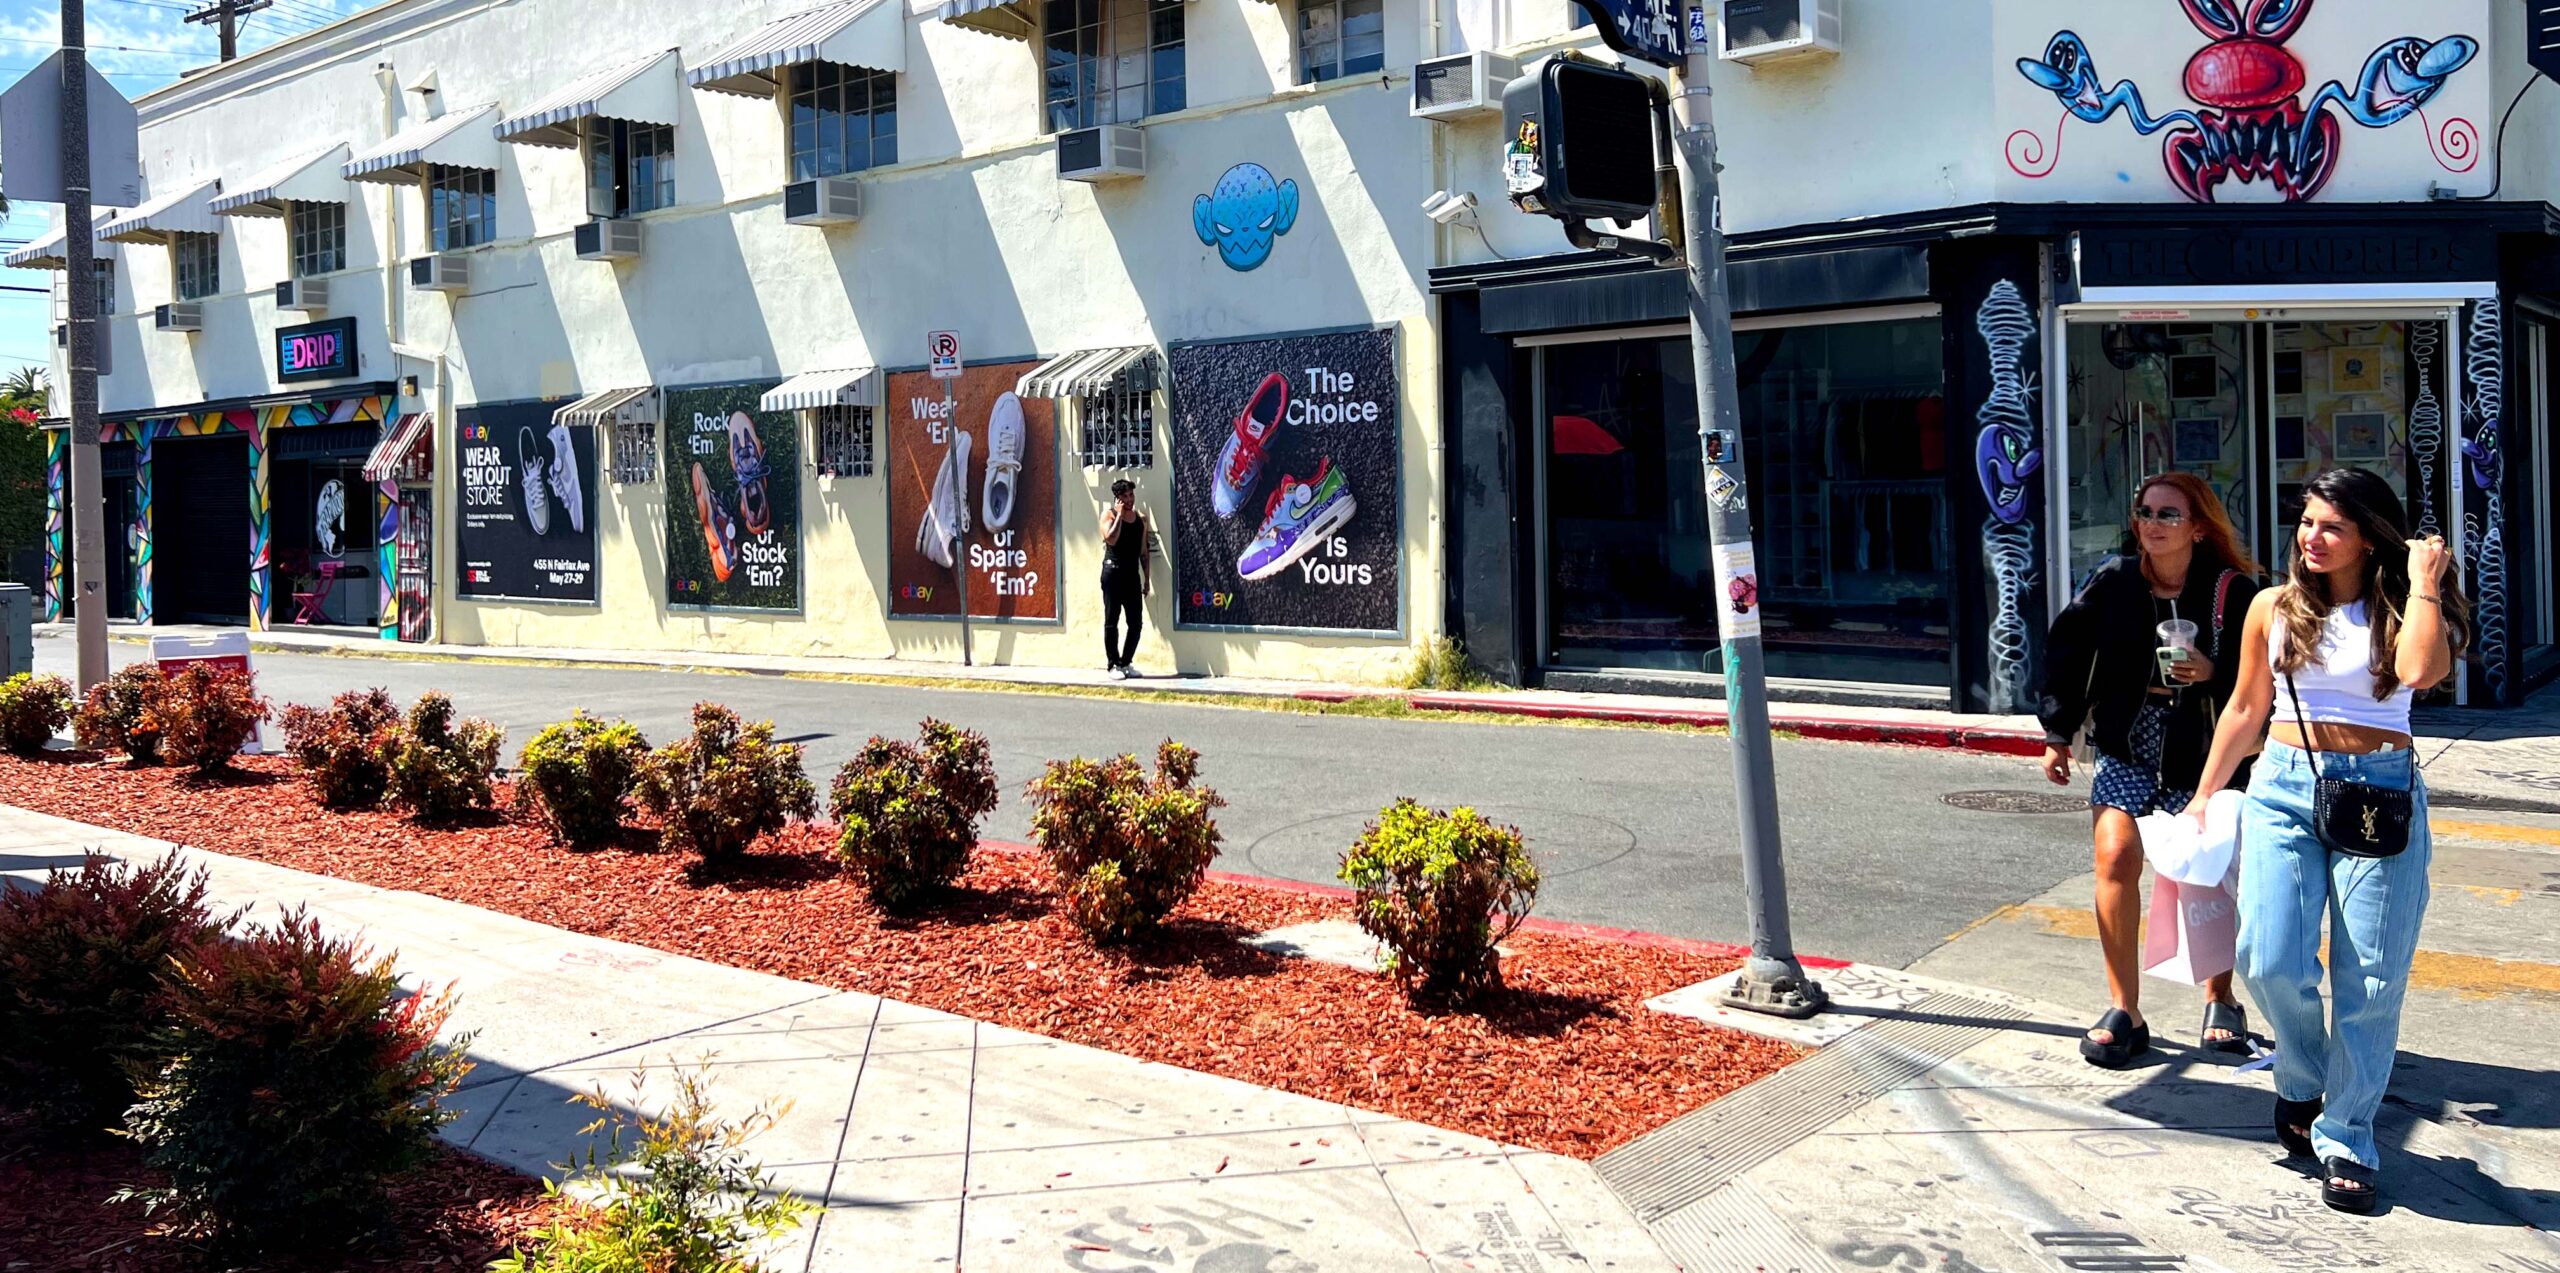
[(2147, 398)]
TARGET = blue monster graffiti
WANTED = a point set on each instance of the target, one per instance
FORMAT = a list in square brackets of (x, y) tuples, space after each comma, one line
[(2251, 123), (2007, 456), (1245, 215)]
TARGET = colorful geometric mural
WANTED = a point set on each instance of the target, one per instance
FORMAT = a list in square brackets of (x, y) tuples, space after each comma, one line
[(57, 536), (386, 538), (138, 537)]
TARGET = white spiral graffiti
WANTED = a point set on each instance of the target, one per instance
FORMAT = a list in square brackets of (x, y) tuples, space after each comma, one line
[(2009, 549), (2006, 457), (2484, 360), (2426, 423)]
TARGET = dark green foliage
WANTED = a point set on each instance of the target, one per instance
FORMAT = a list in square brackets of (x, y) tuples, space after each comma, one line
[(1125, 850), (576, 777), (32, 708), (716, 790), (117, 715), (1442, 890), (345, 749), (442, 769), (909, 811)]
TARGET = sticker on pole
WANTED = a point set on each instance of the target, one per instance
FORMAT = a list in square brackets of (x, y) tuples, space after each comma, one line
[(1738, 583), (943, 349), (1697, 26), (1724, 491)]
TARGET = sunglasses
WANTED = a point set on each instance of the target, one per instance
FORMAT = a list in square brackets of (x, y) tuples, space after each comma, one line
[(2164, 516)]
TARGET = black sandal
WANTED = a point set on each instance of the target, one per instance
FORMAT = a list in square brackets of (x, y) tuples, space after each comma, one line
[(2291, 1115), (2130, 1041), (2353, 1201), (2226, 1017)]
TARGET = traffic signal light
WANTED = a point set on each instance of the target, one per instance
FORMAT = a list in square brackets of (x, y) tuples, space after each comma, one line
[(1581, 142)]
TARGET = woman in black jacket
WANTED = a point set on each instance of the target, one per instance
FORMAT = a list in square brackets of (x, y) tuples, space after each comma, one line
[(2151, 720)]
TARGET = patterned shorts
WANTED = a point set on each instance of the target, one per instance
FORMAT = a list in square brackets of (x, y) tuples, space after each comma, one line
[(2134, 786)]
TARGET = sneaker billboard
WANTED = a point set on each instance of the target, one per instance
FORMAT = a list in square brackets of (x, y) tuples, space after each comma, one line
[(972, 485), (1286, 477), (732, 479), (527, 495)]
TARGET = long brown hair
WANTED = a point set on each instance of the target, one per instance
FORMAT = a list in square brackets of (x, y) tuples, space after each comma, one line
[(2303, 604), (2221, 541)]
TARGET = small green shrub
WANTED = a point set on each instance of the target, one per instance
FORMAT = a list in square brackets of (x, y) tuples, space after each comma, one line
[(909, 811), (117, 715), (575, 778), (1125, 850), (1443, 664), (80, 968), (345, 749), (299, 1080), (675, 1192), (32, 708), (442, 769), (717, 789), (1442, 890), (204, 715)]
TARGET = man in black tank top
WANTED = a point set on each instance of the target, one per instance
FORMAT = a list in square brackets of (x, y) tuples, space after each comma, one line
[(1125, 576)]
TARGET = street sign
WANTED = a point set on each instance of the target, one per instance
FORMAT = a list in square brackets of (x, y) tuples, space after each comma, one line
[(31, 140), (944, 350), (1647, 30)]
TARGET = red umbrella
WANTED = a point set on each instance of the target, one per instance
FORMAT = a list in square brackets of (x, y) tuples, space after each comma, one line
[(1575, 435)]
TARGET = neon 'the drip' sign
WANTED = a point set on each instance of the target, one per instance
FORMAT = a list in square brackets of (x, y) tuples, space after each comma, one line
[(316, 351)]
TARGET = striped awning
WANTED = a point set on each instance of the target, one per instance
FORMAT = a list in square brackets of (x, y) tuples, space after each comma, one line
[(865, 33), (318, 177), (1088, 372), (811, 390), (613, 406), (46, 250), (455, 139), (395, 446), (1008, 18), (642, 92), (184, 210)]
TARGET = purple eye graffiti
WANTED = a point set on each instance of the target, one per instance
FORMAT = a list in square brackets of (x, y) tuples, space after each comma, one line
[(2006, 453)]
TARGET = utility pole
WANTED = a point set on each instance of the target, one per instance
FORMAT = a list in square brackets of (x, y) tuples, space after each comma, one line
[(88, 501), (228, 13)]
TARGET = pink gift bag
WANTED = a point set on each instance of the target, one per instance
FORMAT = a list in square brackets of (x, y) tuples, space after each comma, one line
[(2192, 934)]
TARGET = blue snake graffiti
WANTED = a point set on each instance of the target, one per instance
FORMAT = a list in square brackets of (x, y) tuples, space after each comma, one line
[(1245, 214), (2007, 458)]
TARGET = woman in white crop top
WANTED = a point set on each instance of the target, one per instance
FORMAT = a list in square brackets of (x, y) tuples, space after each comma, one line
[(2366, 618)]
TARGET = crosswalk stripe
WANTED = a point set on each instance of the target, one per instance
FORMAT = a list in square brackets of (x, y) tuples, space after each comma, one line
[(2469, 976)]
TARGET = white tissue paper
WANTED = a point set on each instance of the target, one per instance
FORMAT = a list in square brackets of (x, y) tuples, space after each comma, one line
[(2174, 849)]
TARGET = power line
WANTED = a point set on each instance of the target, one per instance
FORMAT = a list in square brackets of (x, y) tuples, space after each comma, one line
[(226, 14)]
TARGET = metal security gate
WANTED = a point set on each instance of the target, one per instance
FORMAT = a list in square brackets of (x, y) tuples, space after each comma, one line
[(200, 530)]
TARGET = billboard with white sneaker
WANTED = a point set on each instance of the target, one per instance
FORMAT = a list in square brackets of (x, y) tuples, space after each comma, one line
[(973, 489), (1286, 481), (527, 493), (732, 480)]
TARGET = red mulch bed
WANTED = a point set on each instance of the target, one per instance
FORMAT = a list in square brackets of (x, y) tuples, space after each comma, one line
[(457, 1212), (1567, 1059)]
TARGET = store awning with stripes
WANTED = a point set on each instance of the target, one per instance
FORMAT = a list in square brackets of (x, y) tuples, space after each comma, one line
[(812, 390), (185, 210), (48, 251), (642, 92), (455, 139), (1008, 18), (866, 33), (612, 406), (1090, 372), (393, 451), (318, 177)]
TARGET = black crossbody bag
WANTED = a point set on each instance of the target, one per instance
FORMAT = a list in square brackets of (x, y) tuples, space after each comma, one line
[(2354, 818)]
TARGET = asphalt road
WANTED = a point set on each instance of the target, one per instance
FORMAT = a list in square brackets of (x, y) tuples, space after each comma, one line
[(1633, 828)]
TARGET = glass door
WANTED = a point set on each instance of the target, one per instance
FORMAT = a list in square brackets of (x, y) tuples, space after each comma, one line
[(2145, 398)]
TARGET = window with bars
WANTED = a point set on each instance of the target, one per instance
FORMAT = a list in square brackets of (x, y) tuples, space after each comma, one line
[(196, 259), (1118, 429), (631, 168), (844, 441), (843, 119), (635, 452), (1340, 37), (1110, 61), (462, 206), (319, 232)]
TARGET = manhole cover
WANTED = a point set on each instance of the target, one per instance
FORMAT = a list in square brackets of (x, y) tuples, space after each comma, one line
[(2016, 801)]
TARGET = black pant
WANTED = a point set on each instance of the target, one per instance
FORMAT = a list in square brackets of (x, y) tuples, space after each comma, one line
[(1121, 598)]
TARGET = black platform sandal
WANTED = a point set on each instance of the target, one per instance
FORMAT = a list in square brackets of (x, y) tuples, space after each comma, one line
[(2130, 1041), (2359, 1195), (2293, 1126), (2226, 1017)]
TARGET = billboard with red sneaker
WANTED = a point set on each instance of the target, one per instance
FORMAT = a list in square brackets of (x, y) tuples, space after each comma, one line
[(1286, 468), (732, 480), (973, 487)]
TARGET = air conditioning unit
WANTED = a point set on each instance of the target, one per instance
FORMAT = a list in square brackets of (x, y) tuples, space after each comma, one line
[(1112, 152), (824, 201), (612, 239), (1461, 85), (180, 316), (309, 296), (443, 272), (1758, 32)]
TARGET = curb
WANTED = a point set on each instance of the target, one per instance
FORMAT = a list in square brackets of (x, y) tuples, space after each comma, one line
[(1950, 737)]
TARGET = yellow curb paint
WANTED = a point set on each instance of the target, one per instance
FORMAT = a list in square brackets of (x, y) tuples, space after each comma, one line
[(2500, 832), (2468, 976), (2060, 921), (2500, 896)]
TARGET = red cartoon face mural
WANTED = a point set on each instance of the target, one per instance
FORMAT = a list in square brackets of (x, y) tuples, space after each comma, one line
[(2251, 123)]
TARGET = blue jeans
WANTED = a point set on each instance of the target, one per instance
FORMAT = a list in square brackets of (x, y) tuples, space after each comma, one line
[(2288, 883)]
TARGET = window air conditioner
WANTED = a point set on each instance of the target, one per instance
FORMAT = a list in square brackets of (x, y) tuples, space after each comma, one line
[(180, 316), (309, 296), (443, 272), (1112, 152), (613, 239), (1756, 32), (1461, 85), (824, 201)]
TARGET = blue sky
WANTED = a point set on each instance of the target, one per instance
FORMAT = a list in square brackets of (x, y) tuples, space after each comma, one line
[(138, 45)]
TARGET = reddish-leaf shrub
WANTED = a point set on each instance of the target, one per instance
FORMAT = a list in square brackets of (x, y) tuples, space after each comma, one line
[(442, 769), (117, 715), (204, 715), (80, 966), (345, 749), (32, 707), (909, 811), (575, 778), (1442, 890), (299, 1080), (717, 789), (1123, 849)]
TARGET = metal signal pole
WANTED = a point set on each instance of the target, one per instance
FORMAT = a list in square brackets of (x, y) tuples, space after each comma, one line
[(228, 13), (88, 502)]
